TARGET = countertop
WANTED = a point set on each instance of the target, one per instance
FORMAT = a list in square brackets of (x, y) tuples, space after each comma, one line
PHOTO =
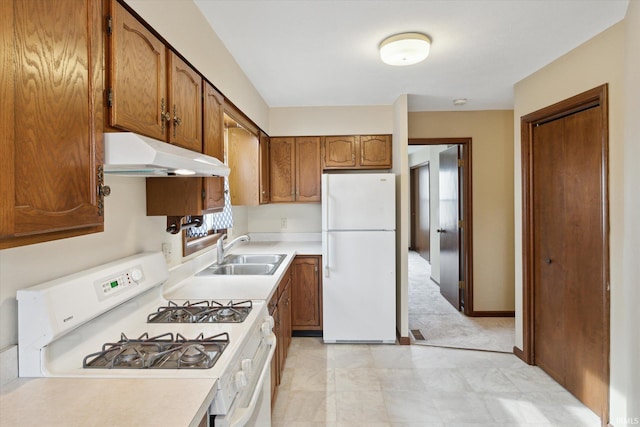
[(243, 287), (71, 402), (74, 402)]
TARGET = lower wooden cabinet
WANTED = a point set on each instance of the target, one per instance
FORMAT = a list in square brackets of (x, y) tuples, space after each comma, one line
[(280, 309), (306, 293)]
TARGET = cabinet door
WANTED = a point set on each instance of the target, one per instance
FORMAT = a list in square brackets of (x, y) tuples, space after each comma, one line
[(284, 307), (282, 174), (375, 151), (243, 157), (213, 145), (264, 168), (213, 120), (308, 169), (51, 120), (186, 104), (138, 77), (306, 294), (339, 152)]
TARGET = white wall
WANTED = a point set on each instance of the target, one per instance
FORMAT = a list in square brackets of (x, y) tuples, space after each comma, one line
[(285, 218), (401, 169), (598, 61), (625, 372)]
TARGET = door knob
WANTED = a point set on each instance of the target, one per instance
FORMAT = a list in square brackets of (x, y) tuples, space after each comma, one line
[(547, 260), (441, 230)]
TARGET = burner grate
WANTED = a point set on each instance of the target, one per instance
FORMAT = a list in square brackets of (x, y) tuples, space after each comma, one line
[(202, 312), (160, 352)]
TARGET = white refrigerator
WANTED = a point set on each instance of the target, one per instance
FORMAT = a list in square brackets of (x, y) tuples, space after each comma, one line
[(359, 258)]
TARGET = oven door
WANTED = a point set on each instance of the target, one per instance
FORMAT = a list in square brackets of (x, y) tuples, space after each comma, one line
[(252, 406)]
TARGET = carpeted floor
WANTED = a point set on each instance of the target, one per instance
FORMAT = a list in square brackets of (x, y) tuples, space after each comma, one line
[(442, 325)]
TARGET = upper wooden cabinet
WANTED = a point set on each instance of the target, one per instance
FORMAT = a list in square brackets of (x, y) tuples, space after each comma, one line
[(51, 116), (151, 91), (194, 196), (213, 145), (339, 152), (248, 157), (265, 168), (357, 152), (186, 104), (295, 169), (137, 88)]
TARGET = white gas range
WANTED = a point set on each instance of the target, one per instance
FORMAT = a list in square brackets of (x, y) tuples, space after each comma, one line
[(112, 321)]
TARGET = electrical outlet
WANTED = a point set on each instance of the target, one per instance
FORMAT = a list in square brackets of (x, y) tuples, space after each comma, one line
[(283, 223), (166, 251)]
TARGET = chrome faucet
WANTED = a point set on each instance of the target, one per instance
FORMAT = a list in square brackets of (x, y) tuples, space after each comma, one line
[(222, 248)]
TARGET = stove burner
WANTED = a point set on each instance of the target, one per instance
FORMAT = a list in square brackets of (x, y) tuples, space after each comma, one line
[(202, 312), (163, 351)]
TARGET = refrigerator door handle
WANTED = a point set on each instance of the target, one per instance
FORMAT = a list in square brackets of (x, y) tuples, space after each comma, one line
[(325, 254)]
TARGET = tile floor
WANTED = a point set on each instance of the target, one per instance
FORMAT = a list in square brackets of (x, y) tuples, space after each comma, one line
[(393, 385)]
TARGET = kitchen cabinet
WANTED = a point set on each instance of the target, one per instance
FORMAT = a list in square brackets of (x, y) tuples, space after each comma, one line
[(137, 93), (295, 169), (194, 196), (186, 104), (151, 90), (264, 163), (306, 294), (51, 116), (280, 309), (248, 160), (213, 145), (357, 152)]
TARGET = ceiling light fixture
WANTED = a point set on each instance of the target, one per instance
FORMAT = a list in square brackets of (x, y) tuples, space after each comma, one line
[(460, 101), (405, 49)]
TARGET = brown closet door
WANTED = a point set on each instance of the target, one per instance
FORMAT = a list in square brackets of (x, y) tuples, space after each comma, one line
[(569, 302)]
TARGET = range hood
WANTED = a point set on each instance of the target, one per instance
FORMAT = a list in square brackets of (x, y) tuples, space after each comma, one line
[(131, 154)]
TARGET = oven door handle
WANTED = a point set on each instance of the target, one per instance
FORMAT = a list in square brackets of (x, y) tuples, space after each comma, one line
[(242, 415)]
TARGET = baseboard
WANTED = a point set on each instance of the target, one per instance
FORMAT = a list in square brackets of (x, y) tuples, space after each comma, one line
[(434, 280), (402, 340), (492, 314), (306, 334)]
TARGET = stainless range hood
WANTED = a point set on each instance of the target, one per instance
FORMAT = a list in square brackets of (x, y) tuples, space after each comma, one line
[(131, 154)]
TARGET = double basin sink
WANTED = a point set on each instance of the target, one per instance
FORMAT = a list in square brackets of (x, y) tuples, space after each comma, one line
[(245, 264)]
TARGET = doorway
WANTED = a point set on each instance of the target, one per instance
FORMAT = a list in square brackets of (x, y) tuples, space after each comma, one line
[(565, 245), (461, 229)]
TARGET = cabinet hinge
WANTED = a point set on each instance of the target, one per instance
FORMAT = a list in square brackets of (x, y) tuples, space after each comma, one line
[(109, 97), (109, 25), (461, 223), (460, 163), (461, 284)]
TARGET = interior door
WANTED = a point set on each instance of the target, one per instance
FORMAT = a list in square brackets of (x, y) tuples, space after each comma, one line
[(568, 249), (449, 233), (420, 212)]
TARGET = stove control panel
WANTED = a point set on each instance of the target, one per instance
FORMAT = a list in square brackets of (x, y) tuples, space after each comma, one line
[(118, 283)]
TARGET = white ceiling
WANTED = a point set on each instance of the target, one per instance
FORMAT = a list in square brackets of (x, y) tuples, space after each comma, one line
[(325, 52)]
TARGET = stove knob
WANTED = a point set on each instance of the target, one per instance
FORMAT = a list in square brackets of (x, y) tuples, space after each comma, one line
[(136, 274), (265, 329), (247, 365), (241, 380)]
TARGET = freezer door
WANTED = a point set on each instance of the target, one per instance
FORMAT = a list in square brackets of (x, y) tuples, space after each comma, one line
[(359, 287), (358, 201)]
